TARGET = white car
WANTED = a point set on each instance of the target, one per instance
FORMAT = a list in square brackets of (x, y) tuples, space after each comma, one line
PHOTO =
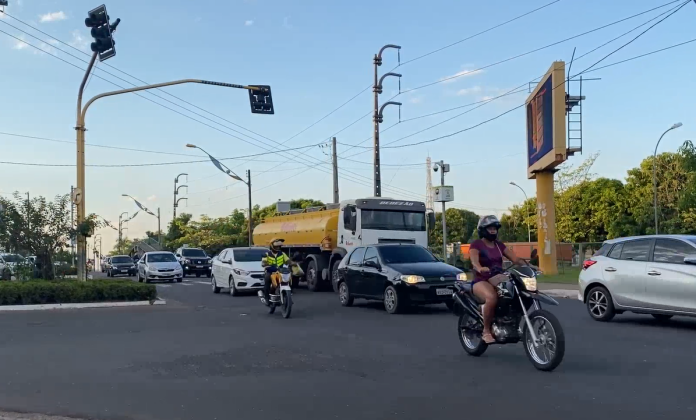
[(238, 269), (161, 265), (9, 262), (653, 275)]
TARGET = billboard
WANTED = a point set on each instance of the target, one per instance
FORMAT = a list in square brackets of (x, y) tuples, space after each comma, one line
[(546, 124)]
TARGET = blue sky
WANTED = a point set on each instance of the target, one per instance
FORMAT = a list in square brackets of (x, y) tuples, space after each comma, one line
[(316, 55)]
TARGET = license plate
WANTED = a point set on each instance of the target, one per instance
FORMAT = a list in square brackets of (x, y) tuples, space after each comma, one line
[(124, 271), (199, 266), (444, 292)]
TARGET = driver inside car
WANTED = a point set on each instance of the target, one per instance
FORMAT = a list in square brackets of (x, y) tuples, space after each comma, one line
[(486, 256)]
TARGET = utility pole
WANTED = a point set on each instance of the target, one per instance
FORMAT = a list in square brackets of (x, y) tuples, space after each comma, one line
[(377, 117), (176, 192), (159, 228), (443, 194), (120, 230), (251, 216), (72, 224), (28, 215), (334, 161)]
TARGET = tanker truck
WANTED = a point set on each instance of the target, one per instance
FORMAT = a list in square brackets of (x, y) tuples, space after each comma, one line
[(324, 235)]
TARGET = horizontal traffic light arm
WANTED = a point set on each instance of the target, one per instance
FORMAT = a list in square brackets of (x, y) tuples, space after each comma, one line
[(159, 85)]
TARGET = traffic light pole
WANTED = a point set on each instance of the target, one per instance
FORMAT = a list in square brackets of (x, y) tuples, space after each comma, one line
[(80, 127)]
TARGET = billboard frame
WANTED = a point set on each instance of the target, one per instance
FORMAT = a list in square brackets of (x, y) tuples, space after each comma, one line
[(558, 149)]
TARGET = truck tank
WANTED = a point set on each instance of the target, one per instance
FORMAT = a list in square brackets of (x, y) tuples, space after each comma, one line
[(306, 229)]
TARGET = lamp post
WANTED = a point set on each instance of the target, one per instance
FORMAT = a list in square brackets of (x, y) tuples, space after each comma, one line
[(677, 125), (221, 166), (145, 209), (529, 230), (176, 192), (121, 221)]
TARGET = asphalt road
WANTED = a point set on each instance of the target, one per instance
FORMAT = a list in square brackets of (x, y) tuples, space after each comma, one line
[(205, 356)]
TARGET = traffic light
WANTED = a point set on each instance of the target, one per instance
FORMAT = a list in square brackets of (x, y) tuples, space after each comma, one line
[(104, 43), (3, 2), (261, 100)]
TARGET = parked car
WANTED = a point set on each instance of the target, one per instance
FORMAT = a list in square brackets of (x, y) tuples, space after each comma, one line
[(238, 269), (160, 265), (9, 263), (104, 264), (653, 275), (397, 274), (119, 265), (194, 261)]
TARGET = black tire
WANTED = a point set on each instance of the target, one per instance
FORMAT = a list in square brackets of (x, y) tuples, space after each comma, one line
[(600, 304), (287, 305), (312, 276), (557, 357), (295, 282), (140, 279), (179, 280), (271, 307), (471, 340), (146, 280), (450, 305), (198, 274), (334, 275), (662, 317), (233, 288), (344, 294), (393, 302), (209, 275), (214, 286), (108, 273)]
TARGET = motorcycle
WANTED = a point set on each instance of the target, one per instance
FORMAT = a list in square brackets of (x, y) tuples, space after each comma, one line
[(281, 292), (518, 316)]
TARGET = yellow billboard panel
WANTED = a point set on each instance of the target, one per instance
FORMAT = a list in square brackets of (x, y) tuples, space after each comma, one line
[(546, 122)]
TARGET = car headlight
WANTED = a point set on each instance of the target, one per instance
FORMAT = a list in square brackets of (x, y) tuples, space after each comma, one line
[(411, 279), (530, 283), (462, 277), (239, 272), (187, 261)]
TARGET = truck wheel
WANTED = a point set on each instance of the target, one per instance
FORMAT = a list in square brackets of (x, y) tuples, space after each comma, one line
[(334, 275), (313, 276)]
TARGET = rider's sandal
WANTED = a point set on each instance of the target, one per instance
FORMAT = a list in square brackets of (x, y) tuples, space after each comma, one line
[(488, 338)]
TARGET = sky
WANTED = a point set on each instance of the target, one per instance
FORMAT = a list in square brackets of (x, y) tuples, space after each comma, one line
[(316, 56)]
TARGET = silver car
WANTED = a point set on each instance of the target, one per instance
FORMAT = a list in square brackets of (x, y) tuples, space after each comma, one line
[(653, 275), (160, 265)]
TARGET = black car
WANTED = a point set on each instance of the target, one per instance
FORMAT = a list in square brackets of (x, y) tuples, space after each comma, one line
[(398, 274), (120, 265), (194, 261)]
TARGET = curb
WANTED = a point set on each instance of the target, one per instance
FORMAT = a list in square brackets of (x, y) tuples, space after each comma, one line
[(561, 293), (52, 306)]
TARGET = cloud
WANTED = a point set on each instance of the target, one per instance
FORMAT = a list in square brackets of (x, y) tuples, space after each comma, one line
[(416, 100), (469, 91), (53, 42), (248, 22), (152, 198), (53, 17), (19, 45), (286, 23), (459, 74), (78, 41)]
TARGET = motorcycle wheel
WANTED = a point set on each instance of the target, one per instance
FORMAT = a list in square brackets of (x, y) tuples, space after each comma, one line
[(287, 305), (549, 354), (470, 336)]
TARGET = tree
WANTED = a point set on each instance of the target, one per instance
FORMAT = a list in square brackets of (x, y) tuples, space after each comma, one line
[(460, 224)]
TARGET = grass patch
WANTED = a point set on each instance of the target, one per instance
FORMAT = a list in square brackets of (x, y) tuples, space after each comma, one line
[(566, 275), (37, 292)]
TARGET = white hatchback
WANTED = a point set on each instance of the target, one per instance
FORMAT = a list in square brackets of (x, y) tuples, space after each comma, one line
[(653, 275), (238, 269)]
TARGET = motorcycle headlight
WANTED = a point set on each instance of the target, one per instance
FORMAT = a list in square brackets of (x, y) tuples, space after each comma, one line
[(530, 283), (411, 279), (462, 277)]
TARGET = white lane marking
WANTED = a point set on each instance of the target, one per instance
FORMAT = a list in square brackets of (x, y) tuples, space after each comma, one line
[(164, 285), (186, 284), (207, 283)]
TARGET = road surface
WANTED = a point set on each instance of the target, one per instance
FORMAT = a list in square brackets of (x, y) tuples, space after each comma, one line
[(214, 356)]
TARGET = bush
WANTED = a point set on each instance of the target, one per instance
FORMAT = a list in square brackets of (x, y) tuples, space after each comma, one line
[(36, 292)]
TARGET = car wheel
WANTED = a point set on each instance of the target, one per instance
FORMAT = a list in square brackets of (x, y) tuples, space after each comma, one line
[(108, 273), (600, 304), (140, 279), (233, 287), (392, 301), (334, 275), (179, 280), (344, 294), (662, 317), (214, 285)]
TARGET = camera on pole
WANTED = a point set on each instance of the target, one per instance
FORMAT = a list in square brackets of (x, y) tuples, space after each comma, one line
[(102, 32), (261, 100)]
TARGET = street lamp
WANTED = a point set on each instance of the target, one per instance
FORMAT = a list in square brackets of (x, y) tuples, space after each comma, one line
[(223, 168), (677, 125), (143, 208), (529, 230), (121, 221), (176, 191)]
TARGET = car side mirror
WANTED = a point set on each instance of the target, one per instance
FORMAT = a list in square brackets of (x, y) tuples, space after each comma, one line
[(431, 220), (372, 264), (691, 259)]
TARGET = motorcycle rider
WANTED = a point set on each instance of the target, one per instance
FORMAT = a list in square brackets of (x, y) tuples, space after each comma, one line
[(272, 261), (486, 256)]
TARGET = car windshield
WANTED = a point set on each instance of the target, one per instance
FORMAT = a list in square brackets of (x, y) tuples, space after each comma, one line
[(393, 220), (193, 253), (121, 260), (13, 258), (249, 255), (405, 254), (154, 258)]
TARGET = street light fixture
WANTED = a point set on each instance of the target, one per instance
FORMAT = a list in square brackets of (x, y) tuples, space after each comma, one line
[(223, 168), (674, 126), (529, 230), (145, 209)]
